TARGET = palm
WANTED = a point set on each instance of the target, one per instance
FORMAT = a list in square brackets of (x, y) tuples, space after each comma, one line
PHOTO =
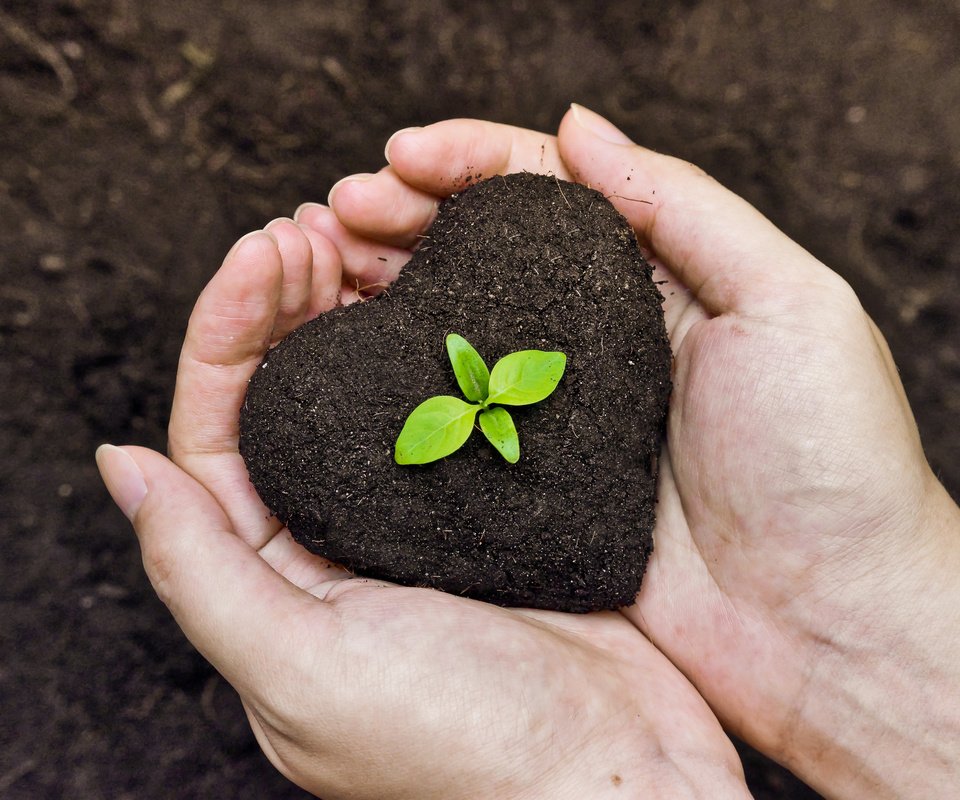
[(764, 498), (487, 682)]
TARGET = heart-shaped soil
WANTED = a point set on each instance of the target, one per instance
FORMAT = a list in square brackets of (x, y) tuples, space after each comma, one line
[(513, 263)]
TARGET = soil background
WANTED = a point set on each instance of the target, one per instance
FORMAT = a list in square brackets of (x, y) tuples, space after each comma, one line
[(138, 140)]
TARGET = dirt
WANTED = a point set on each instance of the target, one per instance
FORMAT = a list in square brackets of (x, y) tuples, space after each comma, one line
[(513, 263), (139, 140)]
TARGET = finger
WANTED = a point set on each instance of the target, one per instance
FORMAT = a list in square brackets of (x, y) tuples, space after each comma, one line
[(303, 569), (683, 612), (327, 273), (367, 265), (296, 256), (382, 207), (238, 612), (729, 255), (677, 572), (445, 157), (681, 310), (227, 336)]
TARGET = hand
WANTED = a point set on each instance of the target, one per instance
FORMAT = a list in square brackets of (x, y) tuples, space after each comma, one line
[(356, 688), (806, 561)]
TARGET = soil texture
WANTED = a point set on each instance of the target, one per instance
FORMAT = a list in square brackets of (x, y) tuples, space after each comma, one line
[(139, 140), (513, 263)]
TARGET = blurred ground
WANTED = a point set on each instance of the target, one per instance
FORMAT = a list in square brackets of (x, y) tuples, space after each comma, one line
[(138, 140)]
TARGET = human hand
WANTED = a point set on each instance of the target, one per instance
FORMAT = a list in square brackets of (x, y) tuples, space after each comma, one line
[(804, 574), (359, 689), (807, 569)]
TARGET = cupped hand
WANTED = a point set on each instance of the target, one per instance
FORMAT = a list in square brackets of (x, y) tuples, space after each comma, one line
[(360, 689), (800, 531)]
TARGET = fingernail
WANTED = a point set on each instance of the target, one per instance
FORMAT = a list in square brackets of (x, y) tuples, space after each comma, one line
[(392, 139), (123, 478), (303, 207), (360, 177), (276, 221), (598, 126), (244, 238)]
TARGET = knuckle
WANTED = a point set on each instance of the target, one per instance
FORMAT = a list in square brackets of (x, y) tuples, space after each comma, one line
[(697, 171), (161, 570), (688, 167)]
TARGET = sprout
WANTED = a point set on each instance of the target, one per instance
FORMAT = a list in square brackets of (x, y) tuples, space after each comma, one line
[(441, 425)]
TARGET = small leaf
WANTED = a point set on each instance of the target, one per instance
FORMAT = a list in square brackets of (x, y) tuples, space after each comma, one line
[(472, 374), (497, 425), (525, 377), (435, 428)]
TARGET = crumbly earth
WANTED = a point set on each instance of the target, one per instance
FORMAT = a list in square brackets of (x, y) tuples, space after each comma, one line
[(141, 139), (512, 263)]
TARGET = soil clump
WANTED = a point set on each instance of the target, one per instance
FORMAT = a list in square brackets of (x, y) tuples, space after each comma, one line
[(517, 262)]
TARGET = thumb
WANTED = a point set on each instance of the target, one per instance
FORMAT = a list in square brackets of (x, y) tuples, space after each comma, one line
[(719, 246), (230, 603)]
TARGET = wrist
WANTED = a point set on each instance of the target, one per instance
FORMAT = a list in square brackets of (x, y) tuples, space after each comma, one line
[(880, 713)]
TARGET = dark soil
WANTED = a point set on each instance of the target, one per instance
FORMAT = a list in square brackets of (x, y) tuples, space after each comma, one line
[(139, 140), (515, 263)]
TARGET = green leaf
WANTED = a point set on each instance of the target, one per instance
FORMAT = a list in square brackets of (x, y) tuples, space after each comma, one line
[(525, 377), (497, 425), (472, 374), (435, 428)]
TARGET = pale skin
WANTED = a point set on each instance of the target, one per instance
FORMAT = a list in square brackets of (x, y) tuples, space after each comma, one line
[(803, 591)]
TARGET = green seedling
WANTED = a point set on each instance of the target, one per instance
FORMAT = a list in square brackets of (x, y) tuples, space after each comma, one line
[(441, 425)]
